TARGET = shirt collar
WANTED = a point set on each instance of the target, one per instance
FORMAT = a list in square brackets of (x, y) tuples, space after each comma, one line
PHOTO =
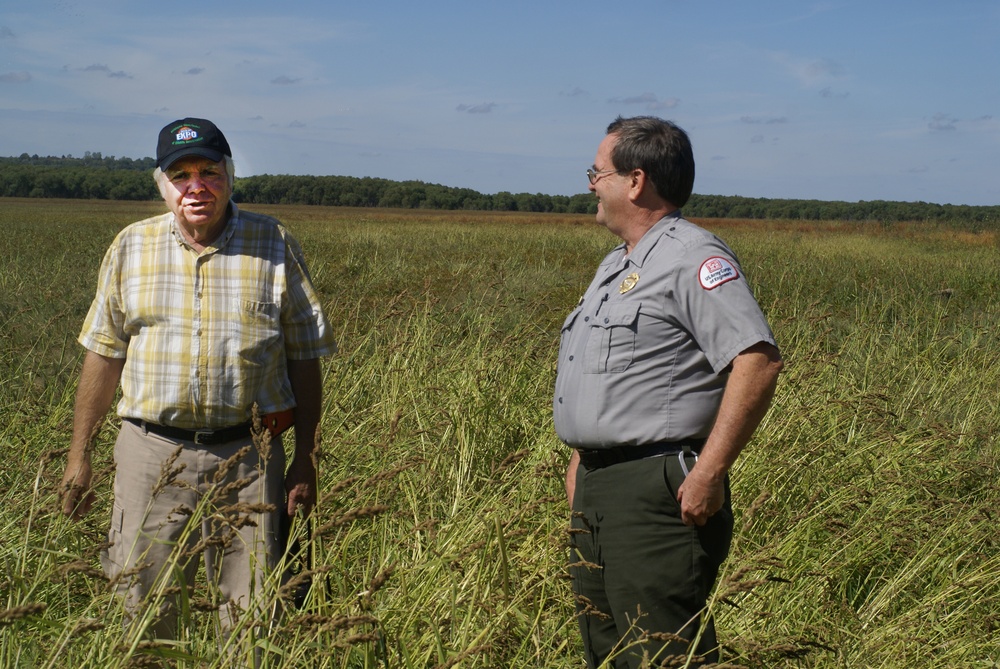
[(232, 223), (646, 243)]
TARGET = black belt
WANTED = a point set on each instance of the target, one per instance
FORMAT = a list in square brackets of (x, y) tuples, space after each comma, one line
[(595, 458), (223, 435)]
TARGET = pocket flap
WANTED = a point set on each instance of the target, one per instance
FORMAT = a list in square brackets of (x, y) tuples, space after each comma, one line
[(618, 315)]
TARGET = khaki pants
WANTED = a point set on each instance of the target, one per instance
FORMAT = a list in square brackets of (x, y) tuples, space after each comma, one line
[(637, 568), (173, 508)]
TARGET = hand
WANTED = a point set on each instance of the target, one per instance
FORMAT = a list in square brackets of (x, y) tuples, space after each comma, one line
[(701, 497), (77, 497), (300, 485)]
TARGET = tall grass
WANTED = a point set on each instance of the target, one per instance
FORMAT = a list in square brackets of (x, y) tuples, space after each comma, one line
[(866, 504)]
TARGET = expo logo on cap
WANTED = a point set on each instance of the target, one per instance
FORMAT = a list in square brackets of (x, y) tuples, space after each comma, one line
[(185, 134)]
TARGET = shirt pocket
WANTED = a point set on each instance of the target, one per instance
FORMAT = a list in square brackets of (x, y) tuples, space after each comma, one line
[(611, 345), (259, 329)]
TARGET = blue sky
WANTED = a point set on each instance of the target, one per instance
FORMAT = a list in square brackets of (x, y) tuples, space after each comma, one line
[(851, 100)]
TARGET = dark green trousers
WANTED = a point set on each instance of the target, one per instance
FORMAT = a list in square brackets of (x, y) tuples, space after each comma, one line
[(641, 577)]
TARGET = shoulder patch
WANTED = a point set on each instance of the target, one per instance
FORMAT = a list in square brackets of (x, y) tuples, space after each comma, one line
[(716, 271)]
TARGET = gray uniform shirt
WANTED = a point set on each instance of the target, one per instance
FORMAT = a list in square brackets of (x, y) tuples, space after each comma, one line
[(644, 356)]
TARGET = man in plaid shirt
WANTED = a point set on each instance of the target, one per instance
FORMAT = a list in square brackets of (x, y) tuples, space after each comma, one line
[(200, 314)]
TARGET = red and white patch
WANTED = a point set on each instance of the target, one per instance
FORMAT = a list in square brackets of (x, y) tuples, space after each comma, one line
[(716, 271)]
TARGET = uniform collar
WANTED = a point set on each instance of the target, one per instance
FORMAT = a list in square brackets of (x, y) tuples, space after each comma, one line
[(647, 243)]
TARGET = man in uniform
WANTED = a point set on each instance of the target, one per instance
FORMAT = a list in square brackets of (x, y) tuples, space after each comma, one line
[(201, 314), (666, 367)]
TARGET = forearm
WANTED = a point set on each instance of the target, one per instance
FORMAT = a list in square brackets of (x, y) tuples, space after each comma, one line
[(306, 379), (745, 401), (301, 478), (747, 397), (94, 395), (96, 391)]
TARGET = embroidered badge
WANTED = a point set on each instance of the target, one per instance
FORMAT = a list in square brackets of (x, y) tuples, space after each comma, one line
[(716, 271), (629, 283)]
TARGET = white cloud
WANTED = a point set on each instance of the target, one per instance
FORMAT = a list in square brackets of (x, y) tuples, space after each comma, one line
[(829, 93), (764, 121), (647, 100), (15, 78), (942, 122), (484, 108), (811, 72)]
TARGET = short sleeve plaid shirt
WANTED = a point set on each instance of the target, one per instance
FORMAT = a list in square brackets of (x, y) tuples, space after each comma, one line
[(205, 335)]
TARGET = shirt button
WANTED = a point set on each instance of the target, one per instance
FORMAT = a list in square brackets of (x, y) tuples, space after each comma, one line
[(586, 319), (571, 358), (607, 320), (560, 400)]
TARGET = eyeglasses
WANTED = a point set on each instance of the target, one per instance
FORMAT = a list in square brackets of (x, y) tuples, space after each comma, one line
[(593, 174)]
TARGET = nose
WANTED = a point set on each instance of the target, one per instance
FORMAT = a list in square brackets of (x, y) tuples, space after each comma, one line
[(196, 183)]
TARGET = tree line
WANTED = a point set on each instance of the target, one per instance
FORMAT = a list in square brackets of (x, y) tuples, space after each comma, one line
[(99, 177)]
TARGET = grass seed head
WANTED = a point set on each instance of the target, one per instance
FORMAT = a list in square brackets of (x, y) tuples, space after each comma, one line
[(8, 616)]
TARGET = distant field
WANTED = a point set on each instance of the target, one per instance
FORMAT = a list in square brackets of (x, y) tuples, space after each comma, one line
[(866, 504)]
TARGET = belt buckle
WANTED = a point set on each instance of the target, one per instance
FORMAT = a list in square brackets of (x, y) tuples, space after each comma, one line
[(200, 434)]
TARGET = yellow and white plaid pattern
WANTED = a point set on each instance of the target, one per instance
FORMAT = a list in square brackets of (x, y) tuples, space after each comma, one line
[(204, 336)]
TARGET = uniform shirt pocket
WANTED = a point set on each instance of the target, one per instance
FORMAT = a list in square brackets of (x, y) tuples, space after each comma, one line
[(611, 345)]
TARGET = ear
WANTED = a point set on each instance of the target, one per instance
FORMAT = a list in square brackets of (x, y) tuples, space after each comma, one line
[(638, 182)]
